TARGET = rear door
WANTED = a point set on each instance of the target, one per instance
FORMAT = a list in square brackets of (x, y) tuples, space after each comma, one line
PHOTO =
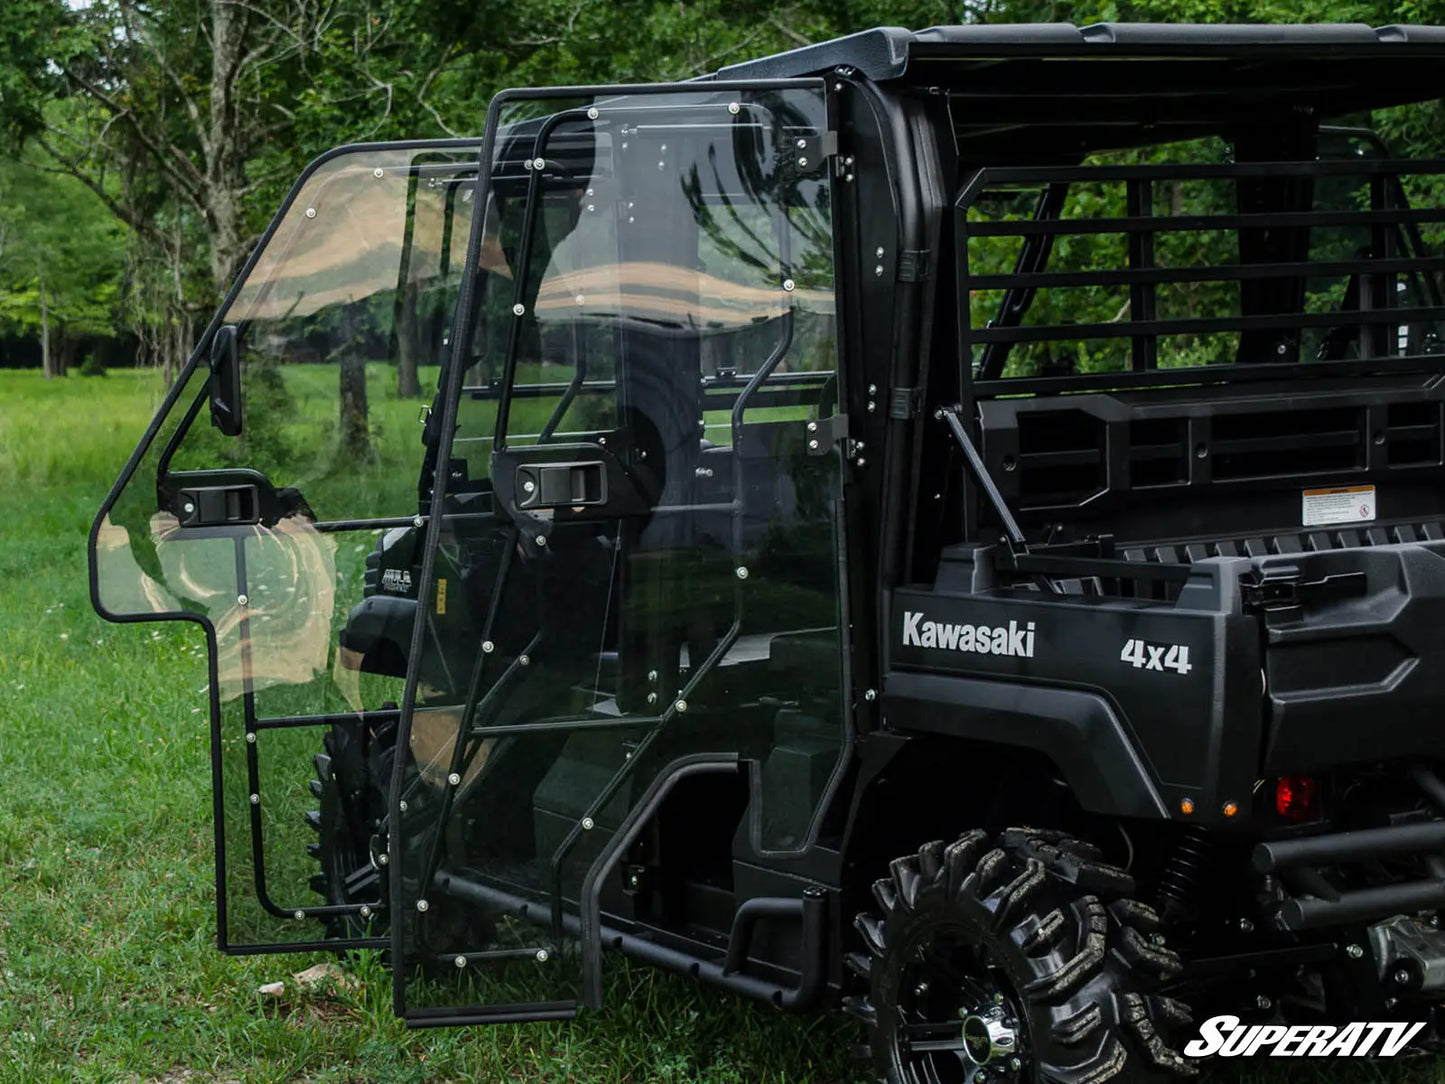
[(653, 590), (280, 475)]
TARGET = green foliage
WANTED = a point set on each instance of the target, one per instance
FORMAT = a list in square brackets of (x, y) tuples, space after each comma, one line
[(56, 237)]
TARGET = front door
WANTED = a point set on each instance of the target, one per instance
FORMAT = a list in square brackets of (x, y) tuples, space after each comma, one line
[(272, 501)]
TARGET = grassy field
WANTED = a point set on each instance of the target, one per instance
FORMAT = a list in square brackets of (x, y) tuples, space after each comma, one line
[(108, 969)]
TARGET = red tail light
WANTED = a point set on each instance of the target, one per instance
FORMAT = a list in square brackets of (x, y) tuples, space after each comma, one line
[(1295, 798)]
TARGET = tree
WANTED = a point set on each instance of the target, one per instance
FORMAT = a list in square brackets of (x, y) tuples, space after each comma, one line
[(62, 258)]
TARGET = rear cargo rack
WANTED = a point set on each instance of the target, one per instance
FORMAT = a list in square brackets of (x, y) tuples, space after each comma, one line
[(1264, 265)]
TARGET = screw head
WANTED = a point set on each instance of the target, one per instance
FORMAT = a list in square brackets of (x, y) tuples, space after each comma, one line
[(734, 108), (518, 309), (588, 824), (921, 990), (255, 799), (384, 859), (681, 705), (802, 162), (1246, 926), (251, 737), (417, 521), (403, 805), (870, 695), (1402, 977), (1262, 1002), (878, 270), (582, 298), (365, 911), (460, 961), (878, 252), (652, 698), (742, 572), (812, 445), (1015, 1064), (592, 113), (524, 660), (242, 600), (298, 915), (311, 212), (539, 162), (422, 905), (454, 779), (378, 172), (541, 541), (542, 955), (652, 675), (529, 487), (488, 647), (789, 285), (188, 508), (1354, 952)]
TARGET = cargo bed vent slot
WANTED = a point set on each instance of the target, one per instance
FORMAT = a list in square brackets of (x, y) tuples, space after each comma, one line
[(1288, 443)]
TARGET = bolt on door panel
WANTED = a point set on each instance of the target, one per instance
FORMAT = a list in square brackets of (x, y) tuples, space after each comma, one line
[(651, 350)]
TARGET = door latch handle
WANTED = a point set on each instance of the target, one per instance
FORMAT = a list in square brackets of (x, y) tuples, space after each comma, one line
[(561, 485), (216, 506)]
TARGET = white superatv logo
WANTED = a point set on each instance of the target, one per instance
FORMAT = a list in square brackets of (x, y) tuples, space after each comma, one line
[(1011, 640), (1224, 1036)]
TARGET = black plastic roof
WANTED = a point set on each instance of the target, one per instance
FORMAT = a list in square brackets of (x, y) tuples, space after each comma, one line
[(1013, 89), (890, 52)]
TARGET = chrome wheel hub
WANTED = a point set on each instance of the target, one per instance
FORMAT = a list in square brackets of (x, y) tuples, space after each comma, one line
[(989, 1036)]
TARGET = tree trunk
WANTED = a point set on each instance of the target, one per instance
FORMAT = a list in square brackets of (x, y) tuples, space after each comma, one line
[(407, 384), (46, 366), (355, 432), (225, 173)]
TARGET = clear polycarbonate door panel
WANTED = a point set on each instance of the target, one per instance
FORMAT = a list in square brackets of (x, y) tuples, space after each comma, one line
[(651, 359), (294, 543)]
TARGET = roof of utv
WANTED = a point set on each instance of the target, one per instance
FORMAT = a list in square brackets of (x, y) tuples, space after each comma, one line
[(1177, 80)]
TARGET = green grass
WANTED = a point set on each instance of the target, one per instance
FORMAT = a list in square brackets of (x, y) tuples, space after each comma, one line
[(108, 966)]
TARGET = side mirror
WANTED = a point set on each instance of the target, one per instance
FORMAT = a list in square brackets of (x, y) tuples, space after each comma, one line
[(225, 386)]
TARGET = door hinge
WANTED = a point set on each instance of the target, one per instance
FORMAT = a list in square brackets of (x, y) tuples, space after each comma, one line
[(903, 403), (826, 433), (810, 153), (915, 265)]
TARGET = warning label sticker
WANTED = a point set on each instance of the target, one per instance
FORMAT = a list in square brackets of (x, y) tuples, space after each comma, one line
[(1346, 504)]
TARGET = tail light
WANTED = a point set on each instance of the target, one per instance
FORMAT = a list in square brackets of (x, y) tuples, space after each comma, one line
[(1296, 798)]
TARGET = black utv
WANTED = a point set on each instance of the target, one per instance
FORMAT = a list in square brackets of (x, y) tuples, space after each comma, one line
[(943, 526)]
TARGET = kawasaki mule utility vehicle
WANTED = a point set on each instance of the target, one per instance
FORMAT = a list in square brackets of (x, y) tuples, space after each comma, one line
[(945, 526)]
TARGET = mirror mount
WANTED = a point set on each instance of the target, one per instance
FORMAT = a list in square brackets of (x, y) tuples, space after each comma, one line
[(225, 385)]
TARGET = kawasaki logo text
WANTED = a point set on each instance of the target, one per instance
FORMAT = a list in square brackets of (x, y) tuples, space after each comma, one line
[(1013, 640), (1226, 1037)]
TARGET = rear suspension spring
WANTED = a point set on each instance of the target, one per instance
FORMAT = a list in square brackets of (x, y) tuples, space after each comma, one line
[(1182, 872)]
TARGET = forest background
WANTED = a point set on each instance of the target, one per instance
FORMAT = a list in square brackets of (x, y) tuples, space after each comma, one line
[(144, 144)]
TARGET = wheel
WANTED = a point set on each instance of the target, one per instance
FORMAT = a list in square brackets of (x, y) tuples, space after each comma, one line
[(1020, 958), (352, 777)]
